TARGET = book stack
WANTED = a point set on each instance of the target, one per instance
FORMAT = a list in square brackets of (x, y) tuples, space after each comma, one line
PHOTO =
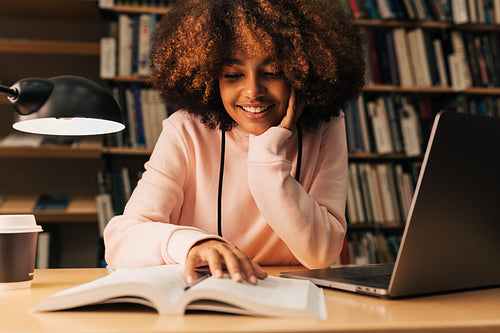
[(456, 11), (143, 113), (414, 57), (370, 248), (126, 48), (386, 124), (380, 193)]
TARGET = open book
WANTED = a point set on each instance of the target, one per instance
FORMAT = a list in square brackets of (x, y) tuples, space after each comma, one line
[(163, 289)]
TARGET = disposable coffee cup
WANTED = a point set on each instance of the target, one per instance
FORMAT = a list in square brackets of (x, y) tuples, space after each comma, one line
[(18, 238)]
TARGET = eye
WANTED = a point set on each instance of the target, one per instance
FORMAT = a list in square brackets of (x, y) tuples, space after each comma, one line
[(232, 76), (273, 74)]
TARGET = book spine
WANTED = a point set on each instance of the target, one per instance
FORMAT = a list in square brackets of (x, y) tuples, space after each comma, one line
[(144, 45), (125, 29)]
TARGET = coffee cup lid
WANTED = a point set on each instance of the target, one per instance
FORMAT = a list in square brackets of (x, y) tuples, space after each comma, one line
[(18, 224)]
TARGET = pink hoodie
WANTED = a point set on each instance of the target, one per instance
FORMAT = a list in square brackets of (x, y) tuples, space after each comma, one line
[(265, 211)]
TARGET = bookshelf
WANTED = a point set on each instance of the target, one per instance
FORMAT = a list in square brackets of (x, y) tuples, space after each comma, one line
[(46, 39), (439, 22), (57, 37), (424, 100)]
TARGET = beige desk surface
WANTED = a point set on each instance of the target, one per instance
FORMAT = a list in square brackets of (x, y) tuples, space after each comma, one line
[(474, 311)]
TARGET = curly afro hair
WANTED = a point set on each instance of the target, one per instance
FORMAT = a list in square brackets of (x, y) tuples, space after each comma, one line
[(316, 44)]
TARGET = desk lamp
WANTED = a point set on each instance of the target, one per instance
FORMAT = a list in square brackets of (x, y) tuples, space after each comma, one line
[(63, 105)]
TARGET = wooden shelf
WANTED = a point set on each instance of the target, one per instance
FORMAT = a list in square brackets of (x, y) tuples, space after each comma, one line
[(426, 25), (378, 88), (126, 151), (82, 208), (137, 9), (55, 9), (132, 79), (383, 157), (89, 147), (49, 47), (376, 226), (372, 88)]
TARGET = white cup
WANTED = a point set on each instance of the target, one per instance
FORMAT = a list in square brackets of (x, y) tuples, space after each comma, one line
[(18, 238)]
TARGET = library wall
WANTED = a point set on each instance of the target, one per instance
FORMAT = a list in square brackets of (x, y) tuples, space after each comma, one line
[(422, 57), (46, 39)]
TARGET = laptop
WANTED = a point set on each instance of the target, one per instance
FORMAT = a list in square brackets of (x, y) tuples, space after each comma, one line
[(451, 239)]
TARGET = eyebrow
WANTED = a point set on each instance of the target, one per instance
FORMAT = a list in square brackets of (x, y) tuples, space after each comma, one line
[(235, 61)]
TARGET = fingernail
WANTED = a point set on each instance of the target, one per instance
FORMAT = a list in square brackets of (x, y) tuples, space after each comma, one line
[(218, 273), (237, 277), (252, 279), (190, 280)]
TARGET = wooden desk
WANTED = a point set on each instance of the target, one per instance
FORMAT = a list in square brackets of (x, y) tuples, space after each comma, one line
[(475, 311)]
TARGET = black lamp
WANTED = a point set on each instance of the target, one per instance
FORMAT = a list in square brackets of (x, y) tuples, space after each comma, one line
[(63, 105)]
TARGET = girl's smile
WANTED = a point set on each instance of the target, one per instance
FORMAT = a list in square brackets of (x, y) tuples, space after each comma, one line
[(254, 92)]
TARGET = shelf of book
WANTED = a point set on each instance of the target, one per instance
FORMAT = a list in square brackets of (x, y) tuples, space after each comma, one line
[(384, 88), (132, 79), (351, 156), (388, 226), (377, 23), (87, 148), (54, 9), (126, 151), (138, 9), (81, 208), (49, 47)]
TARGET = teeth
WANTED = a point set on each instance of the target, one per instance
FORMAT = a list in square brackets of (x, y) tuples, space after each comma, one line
[(255, 109)]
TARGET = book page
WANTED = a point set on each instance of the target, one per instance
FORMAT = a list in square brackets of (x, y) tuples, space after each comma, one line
[(273, 296), (160, 286)]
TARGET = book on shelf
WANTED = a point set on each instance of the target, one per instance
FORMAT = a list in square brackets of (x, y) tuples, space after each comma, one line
[(380, 125), (403, 58), (108, 57), (163, 289), (368, 247), (379, 192), (460, 11), (126, 50), (105, 210), (418, 57), (456, 11), (52, 202), (125, 40), (459, 68), (147, 23), (143, 112), (116, 189), (21, 139), (388, 124), (418, 49), (410, 127), (43, 250), (442, 68)]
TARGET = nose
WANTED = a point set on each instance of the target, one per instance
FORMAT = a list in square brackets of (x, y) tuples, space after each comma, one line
[(254, 88)]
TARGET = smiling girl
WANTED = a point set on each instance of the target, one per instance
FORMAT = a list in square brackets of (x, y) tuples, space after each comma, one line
[(252, 169)]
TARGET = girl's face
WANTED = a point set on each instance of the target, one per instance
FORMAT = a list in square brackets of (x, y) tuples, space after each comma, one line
[(254, 92)]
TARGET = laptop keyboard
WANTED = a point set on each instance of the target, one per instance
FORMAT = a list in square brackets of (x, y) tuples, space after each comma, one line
[(378, 276), (378, 279)]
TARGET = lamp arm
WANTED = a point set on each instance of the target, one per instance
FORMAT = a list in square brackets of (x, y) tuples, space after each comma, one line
[(9, 91), (28, 95)]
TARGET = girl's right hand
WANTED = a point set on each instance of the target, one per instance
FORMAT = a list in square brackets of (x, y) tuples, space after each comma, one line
[(216, 254)]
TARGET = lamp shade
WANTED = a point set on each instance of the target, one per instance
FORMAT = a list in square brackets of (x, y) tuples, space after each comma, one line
[(64, 105)]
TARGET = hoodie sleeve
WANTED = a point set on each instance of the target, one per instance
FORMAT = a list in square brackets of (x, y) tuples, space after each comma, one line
[(309, 218), (148, 234)]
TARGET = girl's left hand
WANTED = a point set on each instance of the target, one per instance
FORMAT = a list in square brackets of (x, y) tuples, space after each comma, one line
[(293, 112)]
